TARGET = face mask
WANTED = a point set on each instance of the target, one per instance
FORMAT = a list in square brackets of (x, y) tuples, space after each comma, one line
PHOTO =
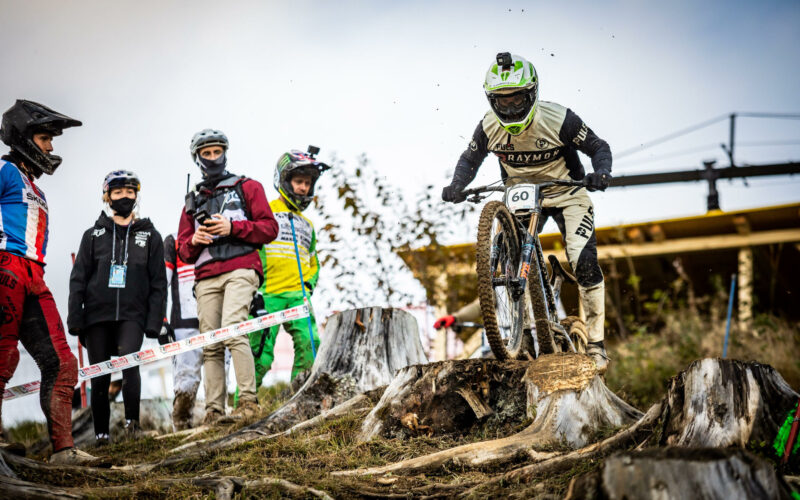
[(212, 168), (122, 206)]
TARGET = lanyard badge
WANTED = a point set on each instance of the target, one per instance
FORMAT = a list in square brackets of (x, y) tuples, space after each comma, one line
[(117, 276)]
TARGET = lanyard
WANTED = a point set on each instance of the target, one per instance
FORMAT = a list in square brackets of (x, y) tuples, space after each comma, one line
[(114, 245)]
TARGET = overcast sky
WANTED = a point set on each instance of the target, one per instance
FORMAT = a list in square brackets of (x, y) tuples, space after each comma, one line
[(399, 81)]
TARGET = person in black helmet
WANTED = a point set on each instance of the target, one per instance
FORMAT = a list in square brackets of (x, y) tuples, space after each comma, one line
[(116, 294), (28, 312)]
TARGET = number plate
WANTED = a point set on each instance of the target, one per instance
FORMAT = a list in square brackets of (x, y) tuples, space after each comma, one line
[(521, 197)]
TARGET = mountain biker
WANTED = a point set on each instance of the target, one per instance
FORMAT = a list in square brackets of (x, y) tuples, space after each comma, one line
[(536, 141), (28, 312), (470, 313), (296, 174), (224, 223), (116, 293)]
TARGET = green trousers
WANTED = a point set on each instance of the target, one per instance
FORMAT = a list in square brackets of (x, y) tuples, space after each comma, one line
[(298, 329)]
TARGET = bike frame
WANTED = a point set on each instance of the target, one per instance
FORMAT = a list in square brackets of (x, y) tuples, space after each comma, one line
[(531, 254)]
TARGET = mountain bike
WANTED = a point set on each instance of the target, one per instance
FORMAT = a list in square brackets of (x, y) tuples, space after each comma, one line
[(516, 291)]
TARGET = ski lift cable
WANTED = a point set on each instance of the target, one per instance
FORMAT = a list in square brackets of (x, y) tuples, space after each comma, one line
[(671, 136), (709, 147), (793, 142), (650, 159), (693, 128)]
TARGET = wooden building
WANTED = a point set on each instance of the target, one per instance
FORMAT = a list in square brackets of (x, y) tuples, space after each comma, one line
[(645, 262)]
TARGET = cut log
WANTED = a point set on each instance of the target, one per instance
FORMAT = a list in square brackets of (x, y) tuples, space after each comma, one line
[(716, 403), (564, 395), (570, 403), (681, 473)]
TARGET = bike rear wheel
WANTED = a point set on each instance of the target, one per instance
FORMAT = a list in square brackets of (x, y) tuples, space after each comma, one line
[(503, 314)]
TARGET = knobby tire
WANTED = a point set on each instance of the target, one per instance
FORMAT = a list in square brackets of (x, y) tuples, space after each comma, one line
[(495, 210)]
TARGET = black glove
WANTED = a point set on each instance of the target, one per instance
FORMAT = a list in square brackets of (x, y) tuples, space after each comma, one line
[(454, 193), (309, 288), (597, 181), (257, 307), (167, 334)]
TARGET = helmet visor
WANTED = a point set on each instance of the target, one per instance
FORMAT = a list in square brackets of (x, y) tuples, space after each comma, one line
[(512, 107)]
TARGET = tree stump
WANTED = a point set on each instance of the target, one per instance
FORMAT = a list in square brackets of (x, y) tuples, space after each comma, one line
[(361, 351), (449, 397), (564, 396), (681, 473), (717, 403), (562, 393)]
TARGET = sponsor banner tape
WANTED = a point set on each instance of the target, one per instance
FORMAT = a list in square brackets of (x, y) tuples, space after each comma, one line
[(167, 351)]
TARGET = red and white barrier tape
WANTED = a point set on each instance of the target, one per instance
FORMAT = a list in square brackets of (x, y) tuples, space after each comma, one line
[(169, 350)]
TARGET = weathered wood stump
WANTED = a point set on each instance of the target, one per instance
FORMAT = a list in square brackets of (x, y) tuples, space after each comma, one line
[(563, 394), (362, 350), (449, 397), (725, 402), (681, 473)]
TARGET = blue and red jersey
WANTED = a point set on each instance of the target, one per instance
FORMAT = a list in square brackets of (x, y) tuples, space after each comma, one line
[(23, 215)]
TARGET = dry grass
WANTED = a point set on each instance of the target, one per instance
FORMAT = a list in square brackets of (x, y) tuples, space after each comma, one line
[(642, 365), (640, 370)]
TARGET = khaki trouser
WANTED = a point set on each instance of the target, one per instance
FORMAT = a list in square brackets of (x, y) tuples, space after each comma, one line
[(225, 300), (574, 216)]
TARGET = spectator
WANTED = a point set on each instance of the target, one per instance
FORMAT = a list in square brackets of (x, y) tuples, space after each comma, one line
[(116, 291)]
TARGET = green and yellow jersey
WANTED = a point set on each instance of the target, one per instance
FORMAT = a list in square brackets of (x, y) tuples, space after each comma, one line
[(278, 257)]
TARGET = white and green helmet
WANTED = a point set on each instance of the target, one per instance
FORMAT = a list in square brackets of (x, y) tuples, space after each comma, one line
[(512, 88)]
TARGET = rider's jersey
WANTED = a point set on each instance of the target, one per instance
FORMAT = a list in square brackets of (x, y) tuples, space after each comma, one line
[(23, 214), (278, 257), (546, 150)]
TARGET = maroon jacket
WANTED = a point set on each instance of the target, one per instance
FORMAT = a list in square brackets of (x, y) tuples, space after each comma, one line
[(259, 230)]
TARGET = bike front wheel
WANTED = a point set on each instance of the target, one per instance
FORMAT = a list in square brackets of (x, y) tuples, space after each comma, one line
[(498, 260)]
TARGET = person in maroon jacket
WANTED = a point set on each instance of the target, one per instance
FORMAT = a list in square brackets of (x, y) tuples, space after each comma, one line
[(224, 223)]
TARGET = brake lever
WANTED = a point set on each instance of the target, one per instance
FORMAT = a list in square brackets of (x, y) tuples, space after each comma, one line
[(475, 198)]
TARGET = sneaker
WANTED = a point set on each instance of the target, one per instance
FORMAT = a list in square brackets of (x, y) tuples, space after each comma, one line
[(101, 440), (212, 417), (132, 429), (182, 407), (597, 350), (246, 410), (74, 456)]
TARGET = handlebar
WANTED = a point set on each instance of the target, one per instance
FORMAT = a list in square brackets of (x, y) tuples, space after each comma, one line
[(476, 192)]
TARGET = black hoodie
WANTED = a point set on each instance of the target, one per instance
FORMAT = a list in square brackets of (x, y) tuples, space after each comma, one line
[(91, 300)]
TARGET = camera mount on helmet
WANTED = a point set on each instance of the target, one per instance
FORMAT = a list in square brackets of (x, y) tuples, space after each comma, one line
[(504, 60)]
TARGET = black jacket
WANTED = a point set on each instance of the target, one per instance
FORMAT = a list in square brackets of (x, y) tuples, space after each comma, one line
[(91, 300)]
